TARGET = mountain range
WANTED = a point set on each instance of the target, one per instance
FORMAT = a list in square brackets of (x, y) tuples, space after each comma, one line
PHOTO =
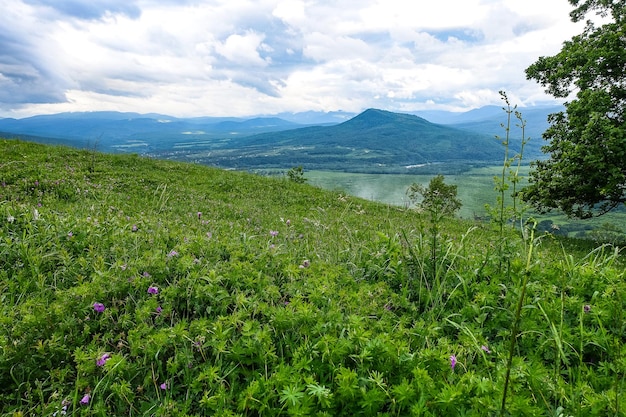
[(372, 141)]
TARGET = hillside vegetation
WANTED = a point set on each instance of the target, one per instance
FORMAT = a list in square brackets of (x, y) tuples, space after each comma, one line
[(375, 141), (374, 138), (132, 286)]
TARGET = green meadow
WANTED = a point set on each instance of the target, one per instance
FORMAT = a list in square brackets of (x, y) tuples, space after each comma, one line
[(135, 286)]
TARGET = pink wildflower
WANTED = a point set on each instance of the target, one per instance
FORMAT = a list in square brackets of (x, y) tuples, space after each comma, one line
[(103, 359)]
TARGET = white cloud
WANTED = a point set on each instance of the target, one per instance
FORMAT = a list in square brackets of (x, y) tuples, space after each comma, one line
[(244, 49), (244, 57), (292, 12), (322, 47)]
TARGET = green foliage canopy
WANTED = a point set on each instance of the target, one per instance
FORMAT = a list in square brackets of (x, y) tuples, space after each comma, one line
[(586, 172), (439, 198)]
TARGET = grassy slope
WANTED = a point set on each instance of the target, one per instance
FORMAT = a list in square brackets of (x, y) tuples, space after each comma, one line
[(338, 313)]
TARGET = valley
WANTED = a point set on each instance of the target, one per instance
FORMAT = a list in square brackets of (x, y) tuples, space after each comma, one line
[(475, 189)]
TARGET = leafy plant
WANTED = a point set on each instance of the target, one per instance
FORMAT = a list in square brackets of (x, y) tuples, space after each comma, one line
[(439, 200), (296, 174)]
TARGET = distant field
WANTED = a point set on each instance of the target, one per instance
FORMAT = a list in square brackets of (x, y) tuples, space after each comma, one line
[(475, 189)]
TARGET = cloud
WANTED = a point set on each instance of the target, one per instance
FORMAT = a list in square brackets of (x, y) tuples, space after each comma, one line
[(92, 9), (243, 57), (244, 49), (28, 71)]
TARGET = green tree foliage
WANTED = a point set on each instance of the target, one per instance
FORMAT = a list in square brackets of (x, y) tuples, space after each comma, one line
[(439, 198), (296, 174), (586, 172)]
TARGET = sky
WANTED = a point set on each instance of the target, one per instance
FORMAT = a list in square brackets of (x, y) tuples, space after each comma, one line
[(189, 58)]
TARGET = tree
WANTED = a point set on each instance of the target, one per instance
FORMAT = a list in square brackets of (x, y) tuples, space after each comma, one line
[(585, 174), (296, 174), (439, 198)]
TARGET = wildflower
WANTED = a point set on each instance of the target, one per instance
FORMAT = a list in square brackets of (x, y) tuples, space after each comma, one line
[(199, 215), (153, 290), (485, 349), (163, 386), (103, 359), (452, 361), (85, 399), (273, 233), (586, 308), (98, 307), (159, 310), (70, 234), (145, 274), (134, 228), (305, 264), (288, 222), (172, 254), (64, 405)]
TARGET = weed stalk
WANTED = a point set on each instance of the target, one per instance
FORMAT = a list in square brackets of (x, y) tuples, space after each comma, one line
[(516, 321)]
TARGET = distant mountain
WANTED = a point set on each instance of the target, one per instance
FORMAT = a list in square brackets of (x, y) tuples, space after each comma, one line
[(450, 117), (488, 120), (375, 140), (372, 141), (317, 117), (384, 131), (112, 129)]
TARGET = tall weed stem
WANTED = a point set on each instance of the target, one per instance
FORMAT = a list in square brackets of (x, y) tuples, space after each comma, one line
[(516, 321)]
